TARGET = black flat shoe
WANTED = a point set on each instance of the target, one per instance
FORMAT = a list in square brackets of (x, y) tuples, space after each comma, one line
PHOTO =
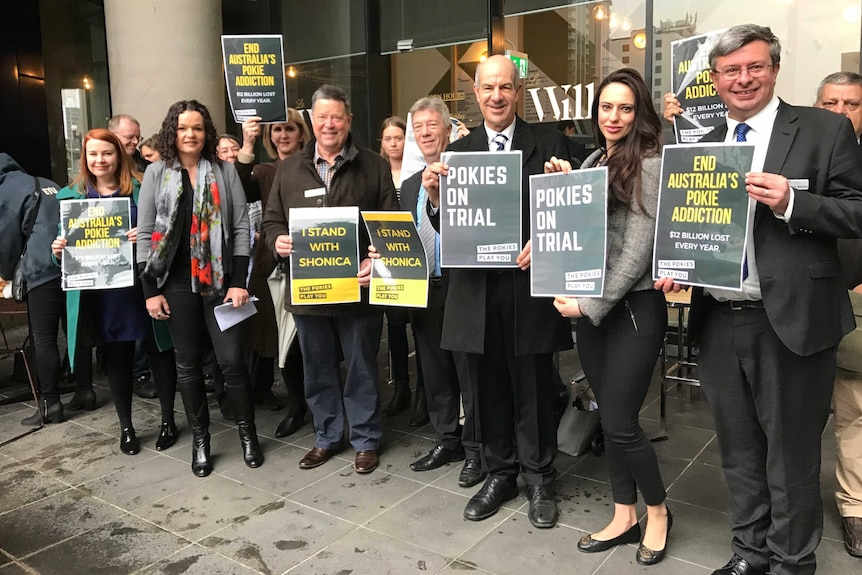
[(438, 457), (589, 545), (471, 474), (646, 556), (45, 413), (167, 436), (490, 498), (129, 442)]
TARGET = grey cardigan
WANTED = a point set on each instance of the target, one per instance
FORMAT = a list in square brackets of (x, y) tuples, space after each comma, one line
[(236, 236), (630, 244)]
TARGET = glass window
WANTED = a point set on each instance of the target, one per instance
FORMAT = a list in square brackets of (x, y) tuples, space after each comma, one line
[(428, 24), (333, 28)]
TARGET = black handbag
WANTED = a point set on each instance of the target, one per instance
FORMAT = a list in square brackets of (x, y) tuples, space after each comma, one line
[(19, 282)]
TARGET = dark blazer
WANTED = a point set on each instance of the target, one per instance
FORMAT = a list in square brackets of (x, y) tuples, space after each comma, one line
[(800, 274), (540, 328), (410, 193)]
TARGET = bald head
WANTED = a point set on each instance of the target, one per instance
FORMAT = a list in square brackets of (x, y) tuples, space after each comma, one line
[(497, 89)]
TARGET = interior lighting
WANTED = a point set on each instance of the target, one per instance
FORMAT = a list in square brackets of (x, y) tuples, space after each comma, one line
[(639, 40), (851, 14), (291, 72), (599, 12)]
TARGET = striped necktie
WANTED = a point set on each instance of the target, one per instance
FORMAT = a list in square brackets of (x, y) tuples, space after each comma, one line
[(500, 140)]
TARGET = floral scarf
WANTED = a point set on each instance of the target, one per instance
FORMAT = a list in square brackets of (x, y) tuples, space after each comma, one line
[(206, 238)]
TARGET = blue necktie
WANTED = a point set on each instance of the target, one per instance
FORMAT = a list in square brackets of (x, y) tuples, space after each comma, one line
[(500, 140), (741, 130)]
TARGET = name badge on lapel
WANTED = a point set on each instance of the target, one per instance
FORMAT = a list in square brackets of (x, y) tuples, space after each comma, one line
[(798, 184), (317, 192)]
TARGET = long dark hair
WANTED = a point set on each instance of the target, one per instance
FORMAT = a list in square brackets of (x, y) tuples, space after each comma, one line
[(644, 140), (168, 133)]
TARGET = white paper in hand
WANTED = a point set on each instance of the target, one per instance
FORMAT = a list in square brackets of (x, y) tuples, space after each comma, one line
[(228, 316)]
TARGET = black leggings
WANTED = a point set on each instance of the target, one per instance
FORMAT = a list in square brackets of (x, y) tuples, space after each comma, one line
[(618, 358), (47, 307)]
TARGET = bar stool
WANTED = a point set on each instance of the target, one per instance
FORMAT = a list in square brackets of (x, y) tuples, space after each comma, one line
[(683, 370), (11, 308)]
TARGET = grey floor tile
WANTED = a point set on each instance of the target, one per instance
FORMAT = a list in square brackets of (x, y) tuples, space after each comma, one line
[(143, 482), (711, 454), (364, 551), (52, 519), (460, 567), (14, 569), (20, 485), (114, 548), (682, 443), (584, 504), (516, 548), (681, 410), (702, 485), (833, 559), (279, 537), (22, 409), (700, 536), (195, 560), (434, 519), (596, 468), (354, 497), (397, 456), (622, 562), (207, 506)]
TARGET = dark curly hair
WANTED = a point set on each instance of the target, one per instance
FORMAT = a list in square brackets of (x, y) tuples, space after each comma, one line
[(168, 133)]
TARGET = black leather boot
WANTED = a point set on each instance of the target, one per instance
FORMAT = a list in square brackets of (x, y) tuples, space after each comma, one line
[(84, 398), (243, 410), (198, 415), (291, 374), (47, 413), (400, 399), (419, 415), (202, 464)]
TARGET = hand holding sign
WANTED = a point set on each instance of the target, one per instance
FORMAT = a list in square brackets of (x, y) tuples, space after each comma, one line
[(773, 190)]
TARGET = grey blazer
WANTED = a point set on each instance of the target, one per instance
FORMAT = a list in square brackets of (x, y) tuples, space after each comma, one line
[(630, 244)]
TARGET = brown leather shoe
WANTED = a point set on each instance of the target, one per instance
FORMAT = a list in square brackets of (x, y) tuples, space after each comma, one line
[(853, 536), (316, 457), (366, 461)]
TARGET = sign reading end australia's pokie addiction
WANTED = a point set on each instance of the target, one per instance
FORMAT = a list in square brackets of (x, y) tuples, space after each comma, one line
[(702, 108), (325, 257), (400, 276), (702, 220), (98, 254), (480, 210), (568, 223), (254, 75)]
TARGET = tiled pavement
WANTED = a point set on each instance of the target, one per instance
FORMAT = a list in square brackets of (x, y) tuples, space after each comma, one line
[(72, 503)]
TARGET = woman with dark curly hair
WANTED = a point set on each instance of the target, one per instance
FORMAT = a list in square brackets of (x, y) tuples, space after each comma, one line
[(193, 248)]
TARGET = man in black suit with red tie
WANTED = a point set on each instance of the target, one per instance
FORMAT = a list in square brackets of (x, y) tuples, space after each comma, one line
[(767, 352), (509, 337)]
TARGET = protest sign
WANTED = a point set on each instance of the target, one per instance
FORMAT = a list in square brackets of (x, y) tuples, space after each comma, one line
[(703, 214), (400, 276), (702, 108), (254, 75), (480, 210), (98, 254), (568, 229), (325, 257)]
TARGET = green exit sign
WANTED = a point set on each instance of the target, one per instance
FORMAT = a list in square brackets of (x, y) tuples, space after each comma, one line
[(521, 61)]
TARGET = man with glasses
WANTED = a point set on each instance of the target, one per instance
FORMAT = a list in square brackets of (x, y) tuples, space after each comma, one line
[(128, 130), (767, 351)]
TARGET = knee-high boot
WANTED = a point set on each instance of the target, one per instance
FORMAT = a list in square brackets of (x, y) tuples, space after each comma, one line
[(198, 415), (292, 375), (243, 412)]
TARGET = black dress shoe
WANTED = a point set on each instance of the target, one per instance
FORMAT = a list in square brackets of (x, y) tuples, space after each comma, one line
[(438, 457), (144, 387), (129, 442), (290, 425), (738, 566), (589, 545), (543, 509), (646, 556), (45, 413), (853, 536), (471, 474), (488, 500), (167, 436)]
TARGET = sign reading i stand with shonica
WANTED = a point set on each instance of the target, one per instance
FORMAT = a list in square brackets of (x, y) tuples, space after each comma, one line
[(480, 210), (400, 276), (568, 233), (254, 75)]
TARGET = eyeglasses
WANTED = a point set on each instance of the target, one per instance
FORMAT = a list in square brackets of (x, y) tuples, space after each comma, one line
[(754, 71)]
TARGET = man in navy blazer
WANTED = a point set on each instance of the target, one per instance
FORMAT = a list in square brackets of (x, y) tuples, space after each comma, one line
[(509, 337), (767, 352)]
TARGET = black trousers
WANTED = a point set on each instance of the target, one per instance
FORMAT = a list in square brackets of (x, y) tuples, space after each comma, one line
[(770, 407), (618, 358), (447, 379), (399, 350), (515, 395), (47, 309)]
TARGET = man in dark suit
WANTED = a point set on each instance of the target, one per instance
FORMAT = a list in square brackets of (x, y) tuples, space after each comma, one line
[(440, 368), (508, 336), (767, 352)]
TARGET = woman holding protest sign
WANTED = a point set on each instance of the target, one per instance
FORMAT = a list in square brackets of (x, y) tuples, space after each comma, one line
[(630, 319), (194, 252), (115, 318)]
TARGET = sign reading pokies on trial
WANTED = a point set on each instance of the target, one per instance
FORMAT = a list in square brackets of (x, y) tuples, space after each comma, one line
[(254, 75), (702, 221), (400, 276), (98, 254), (568, 233), (702, 108), (480, 210), (325, 257)]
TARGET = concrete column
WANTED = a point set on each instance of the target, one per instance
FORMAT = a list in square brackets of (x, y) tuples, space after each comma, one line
[(162, 51)]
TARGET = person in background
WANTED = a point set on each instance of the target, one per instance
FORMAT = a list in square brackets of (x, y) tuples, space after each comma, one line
[(193, 255), (767, 351), (128, 131), (280, 140), (228, 148), (392, 133), (149, 149), (115, 318), (630, 319)]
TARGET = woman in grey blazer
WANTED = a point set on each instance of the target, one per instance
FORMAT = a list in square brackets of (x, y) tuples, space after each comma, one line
[(620, 334)]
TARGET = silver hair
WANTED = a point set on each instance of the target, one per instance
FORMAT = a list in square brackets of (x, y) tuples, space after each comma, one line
[(839, 79), (434, 104), (114, 122), (516, 74), (736, 37), (330, 92)]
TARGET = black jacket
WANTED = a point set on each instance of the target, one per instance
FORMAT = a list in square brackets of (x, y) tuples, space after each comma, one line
[(17, 200)]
